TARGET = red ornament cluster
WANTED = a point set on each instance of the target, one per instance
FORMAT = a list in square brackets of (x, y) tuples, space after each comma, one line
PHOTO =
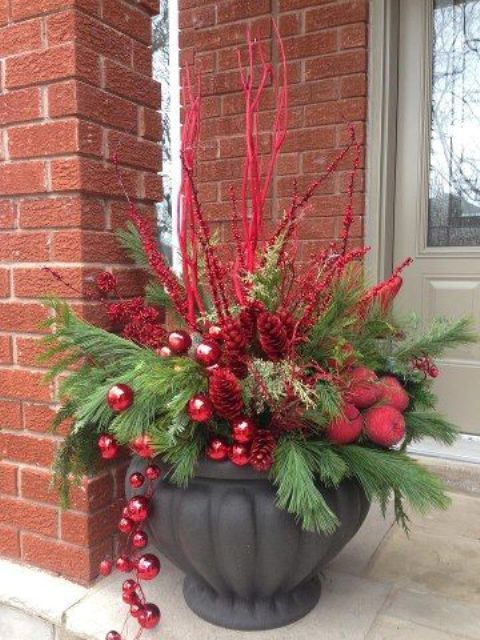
[(144, 566)]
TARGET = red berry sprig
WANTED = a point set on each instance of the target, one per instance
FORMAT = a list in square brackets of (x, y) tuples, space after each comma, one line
[(426, 365)]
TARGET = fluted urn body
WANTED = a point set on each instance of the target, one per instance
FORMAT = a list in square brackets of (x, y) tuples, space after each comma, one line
[(248, 564)]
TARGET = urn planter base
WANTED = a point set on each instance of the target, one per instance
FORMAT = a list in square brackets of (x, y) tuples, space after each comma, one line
[(259, 614), (249, 565)]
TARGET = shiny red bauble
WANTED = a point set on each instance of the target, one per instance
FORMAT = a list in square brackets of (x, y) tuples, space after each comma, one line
[(164, 352), (150, 616), (105, 567), (138, 508), (217, 450), (136, 480), (108, 446), (125, 525), (120, 397), (215, 332), (142, 446), (152, 472), (148, 567), (179, 342), (123, 564), (139, 539), (130, 597), (136, 609), (129, 585), (243, 430), (200, 408), (113, 635), (208, 353), (239, 454)]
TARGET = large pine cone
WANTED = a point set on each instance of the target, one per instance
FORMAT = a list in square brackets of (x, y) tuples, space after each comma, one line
[(272, 335), (234, 336), (225, 393), (261, 452)]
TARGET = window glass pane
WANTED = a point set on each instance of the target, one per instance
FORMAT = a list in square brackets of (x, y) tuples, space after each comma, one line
[(454, 186), (161, 72)]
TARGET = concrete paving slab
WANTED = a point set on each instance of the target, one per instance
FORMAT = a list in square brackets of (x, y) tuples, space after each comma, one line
[(355, 557), (462, 518), (436, 612), (18, 625), (346, 611), (441, 564), (386, 628)]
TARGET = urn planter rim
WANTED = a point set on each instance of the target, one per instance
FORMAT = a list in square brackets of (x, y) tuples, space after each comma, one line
[(224, 470)]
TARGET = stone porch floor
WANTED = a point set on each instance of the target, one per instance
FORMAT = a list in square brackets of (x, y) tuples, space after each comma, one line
[(382, 586)]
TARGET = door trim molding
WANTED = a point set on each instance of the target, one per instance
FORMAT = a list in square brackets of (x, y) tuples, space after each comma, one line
[(381, 136)]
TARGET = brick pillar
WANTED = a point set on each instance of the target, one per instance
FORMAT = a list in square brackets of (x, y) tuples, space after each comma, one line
[(75, 86), (326, 46)]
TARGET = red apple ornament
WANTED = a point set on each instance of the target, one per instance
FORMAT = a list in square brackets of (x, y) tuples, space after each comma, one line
[(384, 426), (217, 450), (243, 429)]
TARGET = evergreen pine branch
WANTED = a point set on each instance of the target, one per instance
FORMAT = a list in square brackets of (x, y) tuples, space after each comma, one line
[(330, 401), (265, 282), (428, 424), (297, 491), (441, 336), (156, 296), (131, 242), (380, 472)]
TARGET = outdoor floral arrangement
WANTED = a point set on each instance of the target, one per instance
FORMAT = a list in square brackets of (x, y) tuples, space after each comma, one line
[(297, 369)]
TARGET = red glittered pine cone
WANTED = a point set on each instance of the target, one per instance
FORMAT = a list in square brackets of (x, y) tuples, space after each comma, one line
[(261, 452), (271, 335), (225, 393), (236, 342), (288, 322)]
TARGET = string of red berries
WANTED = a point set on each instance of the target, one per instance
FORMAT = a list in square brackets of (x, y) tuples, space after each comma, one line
[(426, 366)]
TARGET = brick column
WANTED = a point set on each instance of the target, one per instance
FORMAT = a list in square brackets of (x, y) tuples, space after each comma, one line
[(75, 87), (326, 46)]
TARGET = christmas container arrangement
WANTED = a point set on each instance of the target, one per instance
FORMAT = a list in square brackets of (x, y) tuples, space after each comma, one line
[(280, 406)]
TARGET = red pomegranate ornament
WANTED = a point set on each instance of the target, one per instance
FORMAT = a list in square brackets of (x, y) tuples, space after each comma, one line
[(393, 394), (148, 567), (120, 397), (243, 430), (108, 446), (179, 342), (384, 426), (200, 408), (142, 446), (208, 353), (217, 450), (346, 428)]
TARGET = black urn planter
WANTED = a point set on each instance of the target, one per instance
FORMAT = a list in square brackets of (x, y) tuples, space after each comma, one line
[(248, 564)]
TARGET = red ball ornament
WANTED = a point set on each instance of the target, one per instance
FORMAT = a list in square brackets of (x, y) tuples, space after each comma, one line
[(123, 564), (150, 616), (200, 408), (138, 508), (129, 585), (108, 446), (239, 454), (130, 597), (208, 353), (243, 430), (164, 352), (120, 397), (142, 446), (105, 567), (215, 332), (136, 480), (136, 609), (113, 635), (179, 342), (125, 525), (217, 450), (384, 425), (148, 567), (140, 539), (152, 472)]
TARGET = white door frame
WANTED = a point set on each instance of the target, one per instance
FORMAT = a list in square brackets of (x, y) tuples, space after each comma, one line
[(380, 177)]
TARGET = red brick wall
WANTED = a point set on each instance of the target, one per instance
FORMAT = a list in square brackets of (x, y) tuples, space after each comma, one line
[(75, 86), (326, 46)]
